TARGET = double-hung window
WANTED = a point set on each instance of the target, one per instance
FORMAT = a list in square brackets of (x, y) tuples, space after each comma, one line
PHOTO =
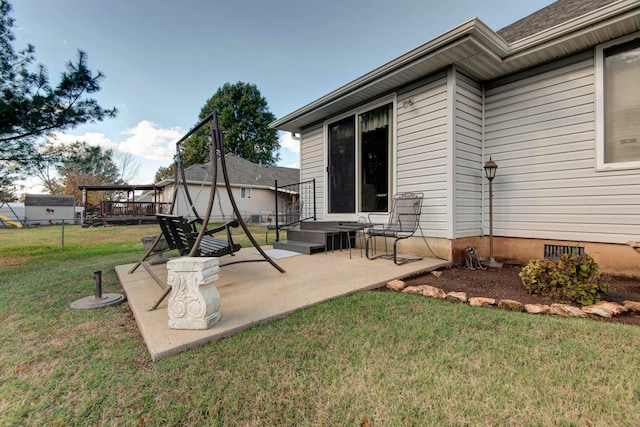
[(618, 102)]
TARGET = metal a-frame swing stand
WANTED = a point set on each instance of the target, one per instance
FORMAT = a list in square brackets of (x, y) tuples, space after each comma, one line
[(216, 152)]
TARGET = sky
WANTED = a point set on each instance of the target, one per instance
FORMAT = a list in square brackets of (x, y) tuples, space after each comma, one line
[(163, 59)]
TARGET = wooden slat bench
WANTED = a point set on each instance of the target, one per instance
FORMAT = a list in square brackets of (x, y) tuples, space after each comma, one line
[(181, 234)]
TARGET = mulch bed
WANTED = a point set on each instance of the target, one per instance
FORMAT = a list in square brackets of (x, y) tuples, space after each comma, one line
[(504, 283)]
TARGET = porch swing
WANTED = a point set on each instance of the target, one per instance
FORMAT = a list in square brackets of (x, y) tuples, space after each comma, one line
[(182, 234)]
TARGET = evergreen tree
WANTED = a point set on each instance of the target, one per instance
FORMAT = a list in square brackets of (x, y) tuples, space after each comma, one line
[(31, 108)]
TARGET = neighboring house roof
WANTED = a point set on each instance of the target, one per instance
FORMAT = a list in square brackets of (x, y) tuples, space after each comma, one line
[(241, 172), (118, 187), (48, 200), (559, 30)]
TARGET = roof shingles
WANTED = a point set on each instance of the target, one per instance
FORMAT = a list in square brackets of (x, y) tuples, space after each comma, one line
[(48, 200), (244, 173), (555, 14)]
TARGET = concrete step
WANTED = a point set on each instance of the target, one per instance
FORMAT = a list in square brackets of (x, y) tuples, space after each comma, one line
[(299, 246), (318, 225), (315, 236)]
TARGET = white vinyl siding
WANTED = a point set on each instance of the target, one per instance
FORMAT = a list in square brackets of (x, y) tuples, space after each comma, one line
[(312, 164), (262, 200), (540, 130), (468, 157), (422, 149)]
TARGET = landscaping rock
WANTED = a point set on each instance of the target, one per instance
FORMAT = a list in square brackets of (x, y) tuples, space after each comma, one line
[(598, 311), (425, 290), (457, 297), (396, 285), (604, 309), (510, 305), (537, 308), (433, 292), (566, 310), (633, 306), (414, 290), (481, 302)]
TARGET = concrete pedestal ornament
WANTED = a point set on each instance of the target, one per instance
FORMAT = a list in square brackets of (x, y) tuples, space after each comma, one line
[(158, 250), (194, 302)]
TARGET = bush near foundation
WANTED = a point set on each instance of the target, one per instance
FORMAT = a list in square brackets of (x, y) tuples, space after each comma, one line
[(571, 279)]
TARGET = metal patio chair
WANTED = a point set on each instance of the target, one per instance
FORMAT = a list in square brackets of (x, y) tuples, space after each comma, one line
[(402, 223)]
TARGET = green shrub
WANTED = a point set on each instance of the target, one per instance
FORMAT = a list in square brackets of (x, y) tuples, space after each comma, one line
[(571, 279)]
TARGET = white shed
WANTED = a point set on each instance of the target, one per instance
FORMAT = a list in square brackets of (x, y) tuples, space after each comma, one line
[(45, 209)]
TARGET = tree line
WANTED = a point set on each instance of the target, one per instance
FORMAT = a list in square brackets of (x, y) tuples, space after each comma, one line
[(32, 110)]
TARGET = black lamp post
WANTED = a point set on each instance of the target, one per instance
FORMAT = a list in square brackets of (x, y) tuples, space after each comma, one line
[(490, 170)]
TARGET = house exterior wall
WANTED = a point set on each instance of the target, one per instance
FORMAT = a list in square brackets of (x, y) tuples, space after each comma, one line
[(429, 114), (261, 202), (422, 149), (312, 162), (540, 129), (539, 126), (468, 167)]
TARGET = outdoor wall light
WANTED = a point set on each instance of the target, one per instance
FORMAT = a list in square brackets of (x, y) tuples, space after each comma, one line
[(490, 170)]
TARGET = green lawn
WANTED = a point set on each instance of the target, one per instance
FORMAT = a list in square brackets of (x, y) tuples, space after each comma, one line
[(398, 359)]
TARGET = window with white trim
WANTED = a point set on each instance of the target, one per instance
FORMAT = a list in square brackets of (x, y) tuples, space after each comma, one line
[(245, 193), (618, 69)]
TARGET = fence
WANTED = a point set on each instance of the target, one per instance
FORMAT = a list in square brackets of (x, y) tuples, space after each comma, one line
[(294, 203)]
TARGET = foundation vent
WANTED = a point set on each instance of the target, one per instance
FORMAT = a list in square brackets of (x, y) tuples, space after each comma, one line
[(555, 251)]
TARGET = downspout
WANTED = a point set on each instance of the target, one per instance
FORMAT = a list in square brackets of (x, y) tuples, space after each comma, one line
[(451, 152), (482, 143)]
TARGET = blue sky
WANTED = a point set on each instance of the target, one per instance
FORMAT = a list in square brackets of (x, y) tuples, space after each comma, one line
[(163, 59)]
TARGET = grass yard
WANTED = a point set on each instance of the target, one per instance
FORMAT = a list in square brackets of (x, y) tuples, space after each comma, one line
[(398, 359)]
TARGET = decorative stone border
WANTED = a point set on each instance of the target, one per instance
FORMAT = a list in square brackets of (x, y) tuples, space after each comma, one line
[(604, 309)]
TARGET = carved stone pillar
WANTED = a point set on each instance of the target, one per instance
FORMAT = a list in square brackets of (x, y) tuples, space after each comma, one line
[(194, 300)]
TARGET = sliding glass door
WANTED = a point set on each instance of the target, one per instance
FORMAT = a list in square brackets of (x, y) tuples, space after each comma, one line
[(374, 131), (342, 166), (359, 162)]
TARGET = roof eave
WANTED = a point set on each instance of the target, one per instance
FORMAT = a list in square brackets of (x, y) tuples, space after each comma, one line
[(570, 37), (473, 27)]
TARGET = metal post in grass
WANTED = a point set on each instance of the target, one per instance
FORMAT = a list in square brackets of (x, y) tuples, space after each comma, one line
[(490, 170), (97, 300)]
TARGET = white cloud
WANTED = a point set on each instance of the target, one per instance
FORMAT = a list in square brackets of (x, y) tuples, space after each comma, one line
[(144, 140), (288, 143), (148, 141), (30, 185), (91, 138)]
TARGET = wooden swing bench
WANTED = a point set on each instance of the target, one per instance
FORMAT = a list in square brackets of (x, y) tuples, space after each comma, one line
[(181, 234)]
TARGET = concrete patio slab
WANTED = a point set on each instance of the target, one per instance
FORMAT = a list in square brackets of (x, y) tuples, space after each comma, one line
[(255, 292)]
